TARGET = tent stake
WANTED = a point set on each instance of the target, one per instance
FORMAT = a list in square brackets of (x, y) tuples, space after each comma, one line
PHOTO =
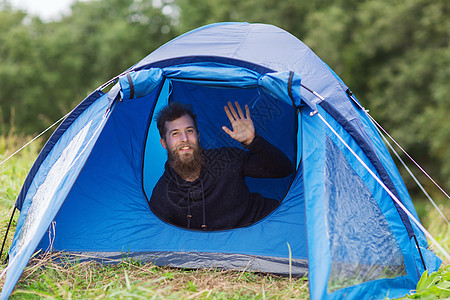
[(7, 230)]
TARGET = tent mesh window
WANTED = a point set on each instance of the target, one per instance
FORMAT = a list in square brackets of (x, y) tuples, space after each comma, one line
[(362, 245)]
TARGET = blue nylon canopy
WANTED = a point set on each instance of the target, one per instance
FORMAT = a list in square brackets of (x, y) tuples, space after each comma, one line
[(55, 178), (281, 85)]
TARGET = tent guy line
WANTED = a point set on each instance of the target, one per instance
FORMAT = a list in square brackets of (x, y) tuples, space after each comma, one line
[(406, 153), (410, 215), (24, 247), (378, 126), (35, 138)]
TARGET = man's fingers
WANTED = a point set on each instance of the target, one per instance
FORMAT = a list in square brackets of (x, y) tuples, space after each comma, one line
[(229, 115), (228, 131), (233, 112), (241, 113), (247, 111)]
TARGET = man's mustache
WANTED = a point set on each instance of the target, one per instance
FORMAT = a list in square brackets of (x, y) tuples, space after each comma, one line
[(187, 144)]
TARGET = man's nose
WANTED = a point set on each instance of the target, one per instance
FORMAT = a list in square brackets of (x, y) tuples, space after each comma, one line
[(184, 137)]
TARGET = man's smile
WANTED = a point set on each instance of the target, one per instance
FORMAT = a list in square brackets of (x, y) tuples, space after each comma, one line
[(184, 148)]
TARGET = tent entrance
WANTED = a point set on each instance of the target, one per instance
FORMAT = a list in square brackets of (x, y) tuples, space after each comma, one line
[(274, 119)]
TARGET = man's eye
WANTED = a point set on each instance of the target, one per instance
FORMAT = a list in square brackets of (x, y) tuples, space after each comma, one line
[(174, 133), (190, 130)]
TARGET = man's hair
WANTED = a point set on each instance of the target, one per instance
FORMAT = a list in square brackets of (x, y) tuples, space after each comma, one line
[(173, 111)]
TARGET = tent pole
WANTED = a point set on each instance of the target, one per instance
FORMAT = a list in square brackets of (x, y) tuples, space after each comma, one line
[(420, 252), (7, 230)]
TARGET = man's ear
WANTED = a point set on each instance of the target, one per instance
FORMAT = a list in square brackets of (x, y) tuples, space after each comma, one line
[(163, 143)]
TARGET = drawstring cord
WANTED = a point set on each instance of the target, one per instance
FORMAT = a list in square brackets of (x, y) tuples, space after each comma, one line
[(204, 209), (189, 215)]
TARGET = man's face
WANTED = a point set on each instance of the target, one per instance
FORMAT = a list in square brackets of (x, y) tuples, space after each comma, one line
[(181, 138)]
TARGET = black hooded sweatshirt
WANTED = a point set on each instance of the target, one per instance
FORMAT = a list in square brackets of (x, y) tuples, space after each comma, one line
[(219, 198)]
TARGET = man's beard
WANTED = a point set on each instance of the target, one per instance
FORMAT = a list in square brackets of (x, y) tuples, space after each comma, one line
[(188, 166)]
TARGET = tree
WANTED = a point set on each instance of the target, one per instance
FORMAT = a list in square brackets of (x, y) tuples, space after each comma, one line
[(17, 62), (395, 57), (50, 67), (287, 14)]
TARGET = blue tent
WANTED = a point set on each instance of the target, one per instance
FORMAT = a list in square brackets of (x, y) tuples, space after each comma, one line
[(88, 191)]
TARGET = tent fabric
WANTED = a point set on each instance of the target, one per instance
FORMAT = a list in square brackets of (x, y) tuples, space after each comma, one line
[(52, 141), (190, 260), (137, 84), (333, 221), (52, 182), (337, 255)]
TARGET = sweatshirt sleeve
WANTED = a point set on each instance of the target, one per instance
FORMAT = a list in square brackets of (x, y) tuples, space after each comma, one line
[(266, 161)]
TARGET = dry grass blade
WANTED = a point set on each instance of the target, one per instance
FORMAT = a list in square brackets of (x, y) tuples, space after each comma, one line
[(44, 278)]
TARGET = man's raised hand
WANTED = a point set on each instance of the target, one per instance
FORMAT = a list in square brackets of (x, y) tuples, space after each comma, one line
[(243, 129)]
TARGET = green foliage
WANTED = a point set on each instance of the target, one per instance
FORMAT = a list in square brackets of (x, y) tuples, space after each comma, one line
[(426, 281), (287, 14), (433, 286), (48, 68), (14, 171), (394, 55)]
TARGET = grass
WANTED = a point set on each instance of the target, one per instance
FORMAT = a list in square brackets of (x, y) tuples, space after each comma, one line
[(134, 280), (15, 169), (45, 279)]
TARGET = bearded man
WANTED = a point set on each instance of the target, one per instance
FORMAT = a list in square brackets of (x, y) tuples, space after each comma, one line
[(205, 189)]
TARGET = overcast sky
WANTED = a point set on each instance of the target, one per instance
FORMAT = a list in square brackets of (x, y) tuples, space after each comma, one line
[(46, 9)]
